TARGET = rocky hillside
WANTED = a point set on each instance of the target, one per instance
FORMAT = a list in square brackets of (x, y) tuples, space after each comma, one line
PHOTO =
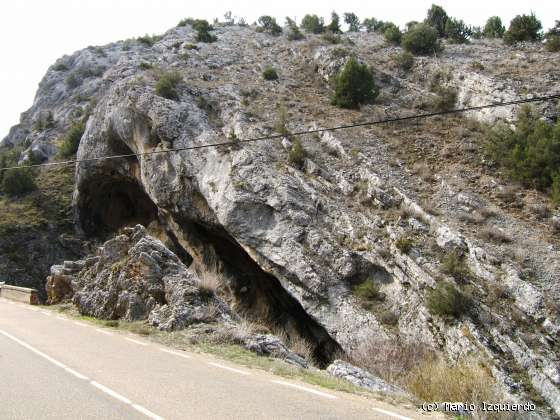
[(377, 232)]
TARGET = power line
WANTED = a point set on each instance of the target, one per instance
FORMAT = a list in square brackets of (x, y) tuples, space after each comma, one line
[(299, 133)]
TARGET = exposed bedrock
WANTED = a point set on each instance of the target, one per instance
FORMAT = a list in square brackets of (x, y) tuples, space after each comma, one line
[(170, 193)]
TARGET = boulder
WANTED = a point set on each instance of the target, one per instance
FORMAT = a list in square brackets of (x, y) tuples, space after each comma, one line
[(362, 378)]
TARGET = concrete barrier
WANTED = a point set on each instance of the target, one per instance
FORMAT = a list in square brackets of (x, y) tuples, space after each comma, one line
[(19, 294)]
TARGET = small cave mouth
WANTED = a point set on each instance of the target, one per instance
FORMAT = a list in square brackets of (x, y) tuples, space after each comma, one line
[(110, 203), (257, 293)]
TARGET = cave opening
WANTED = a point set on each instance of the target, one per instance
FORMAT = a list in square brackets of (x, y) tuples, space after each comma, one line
[(110, 203), (258, 294)]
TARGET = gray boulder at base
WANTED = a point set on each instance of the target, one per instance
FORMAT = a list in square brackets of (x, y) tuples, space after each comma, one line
[(362, 378), (135, 277)]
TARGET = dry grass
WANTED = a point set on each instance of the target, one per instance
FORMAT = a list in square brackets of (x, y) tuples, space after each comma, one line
[(209, 283), (423, 171), (407, 212), (497, 292), (496, 235), (468, 380), (508, 194), (390, 359), (474, 218), (297, 344)]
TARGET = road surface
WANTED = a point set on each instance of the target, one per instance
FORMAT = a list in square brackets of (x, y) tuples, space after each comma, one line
[(53, 367)]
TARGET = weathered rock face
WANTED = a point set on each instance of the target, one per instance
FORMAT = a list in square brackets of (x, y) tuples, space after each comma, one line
[(135, 277), (292, 244), (59, 283)]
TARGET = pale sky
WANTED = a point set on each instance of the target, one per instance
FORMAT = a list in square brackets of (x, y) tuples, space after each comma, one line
[(34, 33)]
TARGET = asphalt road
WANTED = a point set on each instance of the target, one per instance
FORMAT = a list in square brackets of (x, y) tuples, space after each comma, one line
[(52, 367)]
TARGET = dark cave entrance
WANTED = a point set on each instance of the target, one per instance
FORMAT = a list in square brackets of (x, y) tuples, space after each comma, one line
[(112, 202), (258, 294)]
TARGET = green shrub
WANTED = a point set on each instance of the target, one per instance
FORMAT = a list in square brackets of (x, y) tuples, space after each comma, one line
[(530, 154), (421, 39), (393, 34), (313, 24), (368, 293), (44, 122), (555, 190), (445, 100), (437, 19), (297, 154), (404, 244), (477, 65), (476, 32), (446, 301), (352, 21), (185, 22), (71, 140), (331, 38), (523, 28), (17, 182), (457, 31), (9, 158), (411, 24), (72, 81), (454, 265), (553, 43), (294, 33), (269, 25), (148, 40), (494, 28), (144, 65), (334, 26), (270, 73), (60, 66), (405, 60), (203, 28), (553, 38), (373, 25), (354, 85), (167, 83)]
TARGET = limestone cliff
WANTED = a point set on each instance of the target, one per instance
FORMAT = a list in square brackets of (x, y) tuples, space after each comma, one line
[(291, 244)]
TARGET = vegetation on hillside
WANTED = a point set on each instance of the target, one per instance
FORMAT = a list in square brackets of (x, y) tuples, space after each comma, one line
[(167, 84), (421, 39), (71, 140), (530, 153), (354, 85)]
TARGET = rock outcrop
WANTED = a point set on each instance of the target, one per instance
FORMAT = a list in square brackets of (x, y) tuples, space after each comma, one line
[(361, 378), (135, 277)]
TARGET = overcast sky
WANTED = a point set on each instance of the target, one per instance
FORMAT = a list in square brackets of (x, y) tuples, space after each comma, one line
[(34, 33)]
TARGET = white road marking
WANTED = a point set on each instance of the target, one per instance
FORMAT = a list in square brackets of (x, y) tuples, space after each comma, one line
[(132, 340), (303, 388), (103, 331), (46, 313), (76, 374), (81, 324), (33, 349), (391, 414), (228, 368), (35, 309), (109, 391), (146, 412), (99, 386), (61, 317), (186, 356)]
